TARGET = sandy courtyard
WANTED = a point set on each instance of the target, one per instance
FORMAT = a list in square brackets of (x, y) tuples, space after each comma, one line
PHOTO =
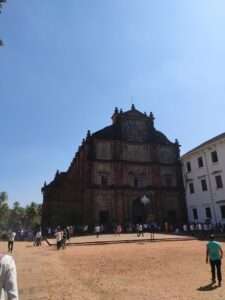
[(151, 271)]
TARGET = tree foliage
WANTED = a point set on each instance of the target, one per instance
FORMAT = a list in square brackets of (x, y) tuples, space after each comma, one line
[(18, 217), (4, 209)]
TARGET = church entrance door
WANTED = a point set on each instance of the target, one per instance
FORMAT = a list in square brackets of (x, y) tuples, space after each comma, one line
[(140, 211), (104, 217)]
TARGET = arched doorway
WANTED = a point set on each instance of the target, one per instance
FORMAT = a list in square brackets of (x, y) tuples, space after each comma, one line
[(141, 211)]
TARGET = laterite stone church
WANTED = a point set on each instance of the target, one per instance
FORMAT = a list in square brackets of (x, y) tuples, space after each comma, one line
[(126, 172)]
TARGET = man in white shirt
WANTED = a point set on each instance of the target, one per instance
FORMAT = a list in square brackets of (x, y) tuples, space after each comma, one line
[(38, 238), (185, 228), (11, 240), (8, 278), (59, 237), (97, 230)]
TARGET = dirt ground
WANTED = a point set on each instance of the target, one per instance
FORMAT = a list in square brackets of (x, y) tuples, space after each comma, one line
[(142, 270)]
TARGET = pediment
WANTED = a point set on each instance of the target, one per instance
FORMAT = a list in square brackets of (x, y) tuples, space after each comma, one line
[(134, 114)]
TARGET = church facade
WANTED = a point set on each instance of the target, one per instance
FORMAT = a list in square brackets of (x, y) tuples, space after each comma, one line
[(126, 172)]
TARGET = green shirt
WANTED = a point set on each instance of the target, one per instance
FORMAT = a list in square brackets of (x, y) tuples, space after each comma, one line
[(214, 250)]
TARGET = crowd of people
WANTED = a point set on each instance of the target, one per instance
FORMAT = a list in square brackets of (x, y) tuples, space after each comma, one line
[(214, 252), (62, 234), (139, 228)]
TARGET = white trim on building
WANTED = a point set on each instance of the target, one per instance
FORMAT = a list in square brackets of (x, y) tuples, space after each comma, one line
[(204, 180)]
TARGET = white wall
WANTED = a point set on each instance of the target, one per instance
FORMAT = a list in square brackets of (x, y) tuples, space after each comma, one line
[(213, 197)]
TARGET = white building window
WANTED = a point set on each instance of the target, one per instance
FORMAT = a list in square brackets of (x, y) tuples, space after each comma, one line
[(204, 185), (214, 156), (222, 209), (188, 165), (219, 182), (208, 213), (191, 188), (200, 162), (195, 213)]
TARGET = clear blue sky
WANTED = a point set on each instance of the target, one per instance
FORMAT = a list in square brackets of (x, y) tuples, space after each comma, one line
[(67, 64)]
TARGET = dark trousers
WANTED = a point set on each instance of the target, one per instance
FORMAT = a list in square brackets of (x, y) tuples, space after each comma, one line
[(152, 235), (59, 244), (10, 246), (139, 233), (216, 268)]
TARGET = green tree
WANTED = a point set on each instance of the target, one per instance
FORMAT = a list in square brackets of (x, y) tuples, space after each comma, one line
[(4, 210), (17, 216), (33, 215)]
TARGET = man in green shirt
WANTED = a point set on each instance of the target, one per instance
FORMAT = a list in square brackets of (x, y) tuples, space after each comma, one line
[(214, 253)]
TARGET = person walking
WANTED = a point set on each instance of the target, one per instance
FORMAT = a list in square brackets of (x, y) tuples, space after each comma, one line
[(119, 229), (8, 278), (59, 237), (141, 231), (137, 229), (11, 240), (38, 238), (152, 231), (64, 238), (97, 230), (214, 254)]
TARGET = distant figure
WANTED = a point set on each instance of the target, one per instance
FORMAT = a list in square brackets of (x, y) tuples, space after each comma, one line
[(166, 225), (140, 230), (85, 229), (137, 229), (97, 230), (65, 237), (67, 232), (38, 238), (21, 234), (177, 230), (102, 228), (192, 228), (152, 231), (185, 228), (49, 232), (214, 253), (59, 237), (118, 229), (11, 240), (199, 227), (8, 278)]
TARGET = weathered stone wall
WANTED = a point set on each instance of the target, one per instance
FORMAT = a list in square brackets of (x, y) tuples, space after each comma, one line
[(135, 130), (104, 150), (109, 176)]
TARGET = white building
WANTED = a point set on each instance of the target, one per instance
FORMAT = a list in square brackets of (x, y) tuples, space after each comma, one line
[(204, 180)]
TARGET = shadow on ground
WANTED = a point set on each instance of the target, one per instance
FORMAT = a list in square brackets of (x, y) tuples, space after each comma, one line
[(207, 288)]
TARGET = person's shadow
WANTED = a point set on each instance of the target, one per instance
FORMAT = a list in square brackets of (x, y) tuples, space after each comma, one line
[(207, 288)]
